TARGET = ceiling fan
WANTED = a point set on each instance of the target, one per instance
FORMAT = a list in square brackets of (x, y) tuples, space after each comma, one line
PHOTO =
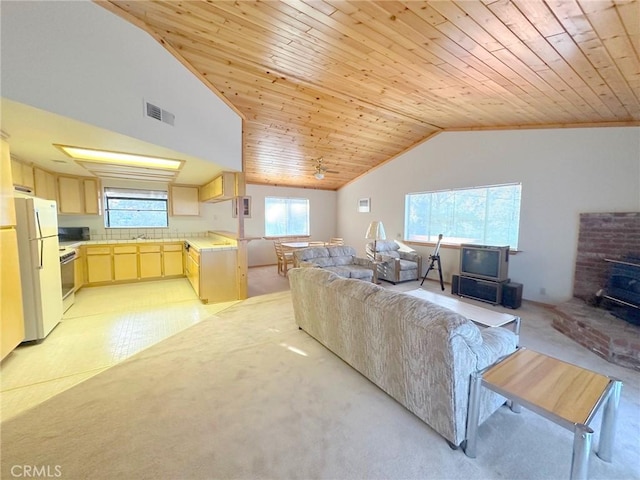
[(321, 169)]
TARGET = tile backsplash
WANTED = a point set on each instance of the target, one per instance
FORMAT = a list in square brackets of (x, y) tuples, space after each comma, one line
[(147, 233)]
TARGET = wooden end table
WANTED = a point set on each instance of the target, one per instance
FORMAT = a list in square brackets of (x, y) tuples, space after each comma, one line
[(561, 392)]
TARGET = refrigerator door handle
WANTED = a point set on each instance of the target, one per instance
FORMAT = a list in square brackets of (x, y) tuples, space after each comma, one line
[(38, 223), (41, 266)]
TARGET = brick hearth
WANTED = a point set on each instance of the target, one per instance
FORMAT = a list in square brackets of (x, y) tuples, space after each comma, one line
[(598, 330), (602, 236)]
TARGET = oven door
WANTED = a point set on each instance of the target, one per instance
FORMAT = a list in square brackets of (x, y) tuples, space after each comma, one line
[(67, 272)]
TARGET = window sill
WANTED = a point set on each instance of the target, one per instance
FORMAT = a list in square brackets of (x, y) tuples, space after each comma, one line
[(453, 246)]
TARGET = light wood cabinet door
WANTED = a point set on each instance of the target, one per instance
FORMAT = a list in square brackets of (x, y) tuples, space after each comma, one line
[(99, 268), (91, 196), (7, 205), (22, 174), (45, 184), (125, 262), (225, 186), (69, 190), (218, 276), (16, 170), (150, 264), (27, 176), (125, 266), (184, 201), (193, 271), (78, 273), (11, 313), (78, 195), (172, 260)]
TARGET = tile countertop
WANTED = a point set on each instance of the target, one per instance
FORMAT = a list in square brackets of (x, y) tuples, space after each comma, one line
[(198, 244)]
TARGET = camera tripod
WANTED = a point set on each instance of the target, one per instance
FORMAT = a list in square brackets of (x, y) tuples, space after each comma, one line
[(435, 258)]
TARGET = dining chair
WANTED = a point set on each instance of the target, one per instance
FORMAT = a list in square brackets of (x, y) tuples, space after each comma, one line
[(336, 241), (285, 258)]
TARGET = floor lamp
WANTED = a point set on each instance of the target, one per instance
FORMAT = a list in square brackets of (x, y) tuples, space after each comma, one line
[(375, 232)]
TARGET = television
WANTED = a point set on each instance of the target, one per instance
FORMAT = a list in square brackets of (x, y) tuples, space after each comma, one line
[(485, 262)]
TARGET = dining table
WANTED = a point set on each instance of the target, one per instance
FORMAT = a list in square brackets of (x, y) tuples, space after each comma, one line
[(295, 245)]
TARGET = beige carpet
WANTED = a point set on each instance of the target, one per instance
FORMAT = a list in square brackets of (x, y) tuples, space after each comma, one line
[(247, 395)]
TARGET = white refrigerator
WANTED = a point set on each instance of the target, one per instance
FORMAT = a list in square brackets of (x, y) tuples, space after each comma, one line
[(37, 228)]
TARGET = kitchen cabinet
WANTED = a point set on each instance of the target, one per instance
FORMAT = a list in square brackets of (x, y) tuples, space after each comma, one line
[(193, 270), (150, 257), (44, 184), (91, 190), (224, 187), (12, 325), (78, 195), (22, 174), (184, 200), (172, 259), (70, 196), (11, 311), (7, 206), (79, 271), (132, 262), (212, 273), (99, 263), (125, 263)]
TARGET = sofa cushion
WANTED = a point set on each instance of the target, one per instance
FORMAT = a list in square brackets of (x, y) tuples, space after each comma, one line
[(387, 247)]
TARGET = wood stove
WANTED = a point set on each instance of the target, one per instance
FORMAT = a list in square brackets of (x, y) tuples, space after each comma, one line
[(623, 289)]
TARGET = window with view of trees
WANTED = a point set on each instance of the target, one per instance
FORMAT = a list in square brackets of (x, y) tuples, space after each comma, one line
[(487, 215), (130, 208), (286, 216)]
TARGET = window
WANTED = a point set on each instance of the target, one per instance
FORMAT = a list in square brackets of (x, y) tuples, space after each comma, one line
[(129, 208), (286, 216), (482, 215)]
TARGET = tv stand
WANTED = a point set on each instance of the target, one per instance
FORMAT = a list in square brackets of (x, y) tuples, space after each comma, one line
[(483, 290)]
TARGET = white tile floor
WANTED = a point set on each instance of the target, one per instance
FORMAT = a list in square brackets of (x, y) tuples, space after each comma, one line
[(105, 326)]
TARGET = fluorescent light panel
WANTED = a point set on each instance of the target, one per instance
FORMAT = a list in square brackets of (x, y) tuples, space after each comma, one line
[(119, 158)]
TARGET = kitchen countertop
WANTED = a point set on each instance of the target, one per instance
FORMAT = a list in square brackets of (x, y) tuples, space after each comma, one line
[(200, 244)]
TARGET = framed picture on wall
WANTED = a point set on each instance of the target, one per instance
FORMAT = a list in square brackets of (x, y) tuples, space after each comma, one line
[(246, 207), (364, 205)]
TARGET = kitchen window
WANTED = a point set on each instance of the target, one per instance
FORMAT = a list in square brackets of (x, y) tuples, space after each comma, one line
[(286, 217), (131, 208)]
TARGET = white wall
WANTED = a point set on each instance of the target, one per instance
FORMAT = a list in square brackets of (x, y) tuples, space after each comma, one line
[(564, 172), (76, 59)]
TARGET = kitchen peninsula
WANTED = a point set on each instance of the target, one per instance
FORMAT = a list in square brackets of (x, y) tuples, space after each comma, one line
[(208, 262)]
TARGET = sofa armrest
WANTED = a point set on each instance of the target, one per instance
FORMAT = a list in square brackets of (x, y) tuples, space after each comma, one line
[(363, 262), (413, 256), (497, 342)]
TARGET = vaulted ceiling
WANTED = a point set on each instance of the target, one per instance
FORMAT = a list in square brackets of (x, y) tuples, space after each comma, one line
[(358, 83)]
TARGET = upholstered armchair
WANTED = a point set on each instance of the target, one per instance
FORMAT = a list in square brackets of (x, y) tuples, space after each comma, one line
[(395, 265)]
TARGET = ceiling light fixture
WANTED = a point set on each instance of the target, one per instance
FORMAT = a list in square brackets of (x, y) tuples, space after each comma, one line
[(319, 175), (119, 158)]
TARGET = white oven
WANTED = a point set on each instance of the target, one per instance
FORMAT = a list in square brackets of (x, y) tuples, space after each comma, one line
[(67, 272)]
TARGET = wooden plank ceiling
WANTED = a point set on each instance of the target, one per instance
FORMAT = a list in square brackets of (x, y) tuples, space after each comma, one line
[(357, 83)]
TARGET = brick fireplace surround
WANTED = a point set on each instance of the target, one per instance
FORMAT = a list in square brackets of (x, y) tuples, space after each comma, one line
[(611, 236)]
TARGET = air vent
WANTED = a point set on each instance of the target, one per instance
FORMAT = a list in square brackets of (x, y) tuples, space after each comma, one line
[(158, 113)]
